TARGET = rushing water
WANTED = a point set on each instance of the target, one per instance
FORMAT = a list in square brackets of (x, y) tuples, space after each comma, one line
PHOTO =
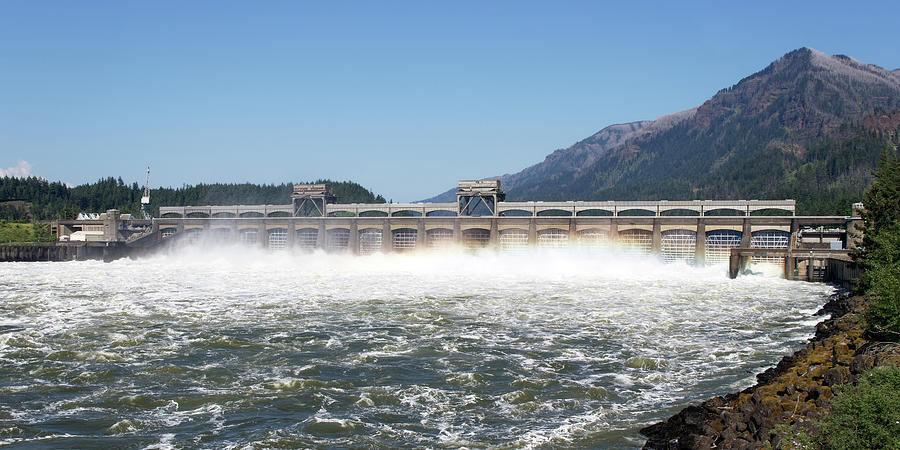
[(240, 348)]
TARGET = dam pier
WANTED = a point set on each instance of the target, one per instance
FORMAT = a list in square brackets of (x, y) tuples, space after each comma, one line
[(695, 231)]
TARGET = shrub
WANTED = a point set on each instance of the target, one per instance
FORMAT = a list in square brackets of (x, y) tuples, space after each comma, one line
[(866, 415)]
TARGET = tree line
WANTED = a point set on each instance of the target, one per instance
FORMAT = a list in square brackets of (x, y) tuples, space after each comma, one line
[(54, 200)]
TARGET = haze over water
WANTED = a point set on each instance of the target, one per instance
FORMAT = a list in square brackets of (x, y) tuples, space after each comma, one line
[(244, 348)]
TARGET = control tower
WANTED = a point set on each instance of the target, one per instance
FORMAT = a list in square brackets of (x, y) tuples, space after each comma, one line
[(472, 193), (311, 200)]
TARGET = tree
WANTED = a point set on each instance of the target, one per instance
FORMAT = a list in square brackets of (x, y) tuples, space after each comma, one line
[(879, 252)]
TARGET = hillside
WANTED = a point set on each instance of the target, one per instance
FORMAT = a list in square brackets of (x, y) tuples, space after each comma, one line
[(800, 128)]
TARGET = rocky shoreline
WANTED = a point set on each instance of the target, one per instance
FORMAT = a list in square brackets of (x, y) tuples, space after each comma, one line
[(796, 391)]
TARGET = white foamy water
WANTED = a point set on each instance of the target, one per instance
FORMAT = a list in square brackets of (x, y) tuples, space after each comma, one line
[(242, 348)]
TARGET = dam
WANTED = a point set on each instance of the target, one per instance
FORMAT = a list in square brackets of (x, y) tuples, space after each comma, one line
[(694, 231)]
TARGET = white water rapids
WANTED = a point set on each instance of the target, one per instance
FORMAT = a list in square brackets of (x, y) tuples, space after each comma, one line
[(243, 348)]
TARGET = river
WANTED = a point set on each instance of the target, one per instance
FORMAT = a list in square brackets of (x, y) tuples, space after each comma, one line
[(235, 347)]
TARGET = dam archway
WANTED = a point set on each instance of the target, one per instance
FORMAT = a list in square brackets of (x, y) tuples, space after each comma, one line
[(439, 238), (678, 245), (719, 244), (404, 239), (370, 241), (307, 238), (513, 239)]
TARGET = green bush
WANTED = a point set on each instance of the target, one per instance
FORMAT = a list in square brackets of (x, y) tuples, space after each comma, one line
[(866, 415)]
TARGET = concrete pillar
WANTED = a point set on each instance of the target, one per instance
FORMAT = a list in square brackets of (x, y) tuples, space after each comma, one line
[(262, 235), (789, 264), (613, 231), (532, 232), (746, 233), (495, 233), (291, 234), (387, 238), (322, 235), (235, 233), (420, 233), (111, 225), (734, 264), (656, 237), (573, 231), (354, 237), (795, 229), (700, 247), (457, 232)]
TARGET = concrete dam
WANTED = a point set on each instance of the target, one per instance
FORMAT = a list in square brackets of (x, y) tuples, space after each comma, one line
[(697, 231)]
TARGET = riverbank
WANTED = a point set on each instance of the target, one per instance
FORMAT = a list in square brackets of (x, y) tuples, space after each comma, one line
[(796, 392)]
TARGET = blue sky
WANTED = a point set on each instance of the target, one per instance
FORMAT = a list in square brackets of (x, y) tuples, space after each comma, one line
[(402, 97)]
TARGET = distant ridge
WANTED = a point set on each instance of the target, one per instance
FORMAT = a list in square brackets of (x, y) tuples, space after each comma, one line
[(794, 129)]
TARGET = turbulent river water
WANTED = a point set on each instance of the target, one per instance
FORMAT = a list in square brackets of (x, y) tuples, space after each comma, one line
[(241, 348)]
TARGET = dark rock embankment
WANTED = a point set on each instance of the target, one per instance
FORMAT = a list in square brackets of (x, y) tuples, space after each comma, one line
[(796, 391)]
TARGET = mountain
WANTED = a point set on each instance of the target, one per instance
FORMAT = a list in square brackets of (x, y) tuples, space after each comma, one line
[(796, 129)]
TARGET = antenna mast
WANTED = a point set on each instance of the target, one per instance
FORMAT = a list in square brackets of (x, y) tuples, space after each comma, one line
[(145, 198)]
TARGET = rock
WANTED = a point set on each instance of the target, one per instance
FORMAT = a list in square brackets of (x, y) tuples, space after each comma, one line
[(817, 371), (862, 363), (841, 354), (835, 376)]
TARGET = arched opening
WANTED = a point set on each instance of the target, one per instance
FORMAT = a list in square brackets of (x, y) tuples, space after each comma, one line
[(197, 215), (513, 239), (406, 213), (476, 237), (404, 239), (251, 214), (678, 245), (277, 238), (679, 212), (441, 213), (167, 232), (553, 238), (370, 241), (224, 215), (635, 241), (171, 215), (724, 212), (719, 244), (439, 237), (771, 212), (554, 213), (373, 213), (249, 236), (770, 239), (593, 237), (341, 214), (338, 239), (279, 214), (515, 213), (307, 238), (594, 213), (636, 213)]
